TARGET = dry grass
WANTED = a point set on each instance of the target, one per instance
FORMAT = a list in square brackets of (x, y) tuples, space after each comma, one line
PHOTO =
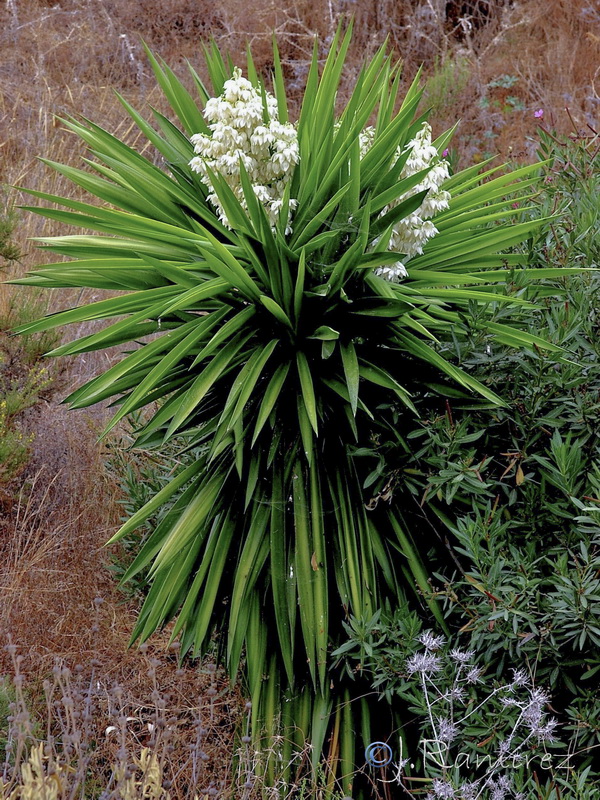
[(92, 730), (61, 605), (52, 566)]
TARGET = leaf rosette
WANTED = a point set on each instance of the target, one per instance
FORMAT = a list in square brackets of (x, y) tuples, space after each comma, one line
[(281, 283)]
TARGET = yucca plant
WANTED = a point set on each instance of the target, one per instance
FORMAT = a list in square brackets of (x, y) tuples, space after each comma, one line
[(283, 291)]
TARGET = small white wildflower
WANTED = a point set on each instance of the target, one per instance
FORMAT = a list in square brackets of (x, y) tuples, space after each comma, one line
[(430, 641)]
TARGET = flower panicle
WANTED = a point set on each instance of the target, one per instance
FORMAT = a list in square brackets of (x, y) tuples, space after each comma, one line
[(269, 152), (239, 135)]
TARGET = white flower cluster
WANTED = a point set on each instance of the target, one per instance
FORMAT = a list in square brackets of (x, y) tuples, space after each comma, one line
[(239, 133), (269, 152), (411, 233)]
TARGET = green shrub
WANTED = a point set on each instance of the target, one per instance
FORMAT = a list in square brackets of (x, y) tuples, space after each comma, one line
[(9, 251), (7, 696), (513, 494), (14, 447), (446, 84)]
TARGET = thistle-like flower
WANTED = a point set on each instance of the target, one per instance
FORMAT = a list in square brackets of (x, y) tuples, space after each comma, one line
[(442, 789), (447, 731), (431, 642), (424, 663), (520, 678), (474, 675), (462, 656)]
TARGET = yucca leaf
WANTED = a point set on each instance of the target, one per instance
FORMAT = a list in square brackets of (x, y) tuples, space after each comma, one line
[(348, 543), (308, 390), (225, 332), (384, 149), (143, 302), (189, 523), (210, 573), (82, 246), (166, 593), (217, 69), (325, 333), (303, 569), (137, 360), (319, 567), (397, 190), (256, 650), (249, 371), (347, 744), (181, 101), (306, 429), (307, 232), (280, 572), (417, 570), (398, 212), (276, 310), (229, 268), (250, 380), (374, 374), (351, 373), (279, 85), (299, 286), (157, 501), (270, 397), (320, 722), (158, 372), (202, 384), (251, 561), (416, 347)]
